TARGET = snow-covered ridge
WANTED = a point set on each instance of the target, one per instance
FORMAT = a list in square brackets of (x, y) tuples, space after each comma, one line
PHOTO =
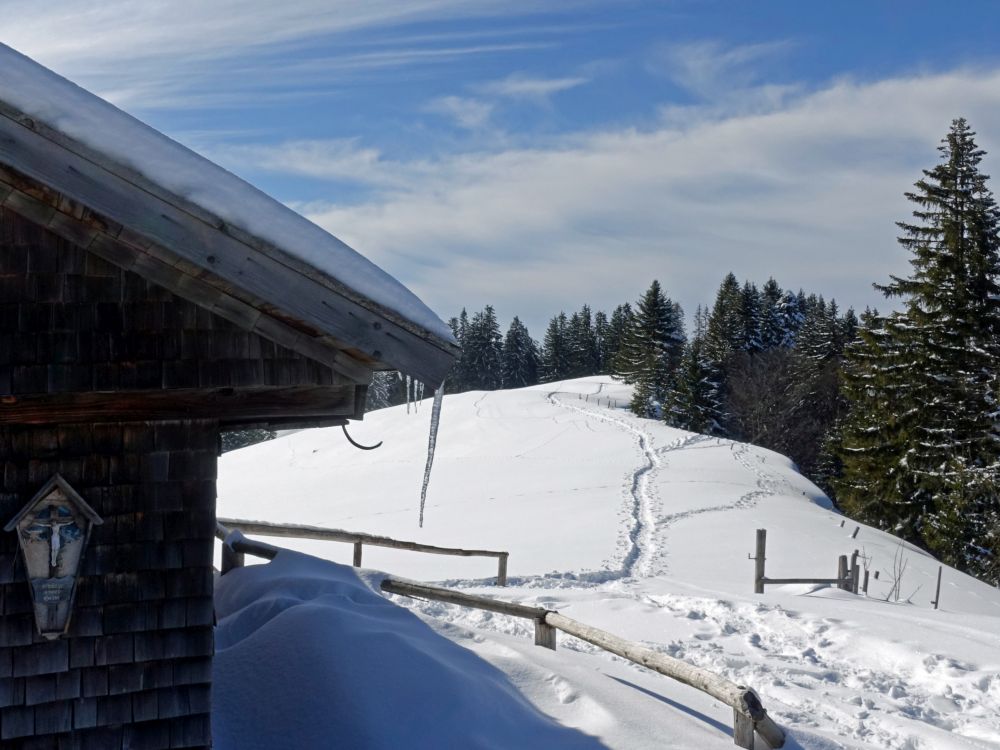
[(63, 106), (644, 531)]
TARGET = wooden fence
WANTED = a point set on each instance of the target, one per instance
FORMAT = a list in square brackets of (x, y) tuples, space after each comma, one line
[(848, 575), (359, 540), (749, 715)]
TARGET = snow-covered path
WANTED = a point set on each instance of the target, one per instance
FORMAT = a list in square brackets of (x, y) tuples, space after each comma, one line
[(644, 530)]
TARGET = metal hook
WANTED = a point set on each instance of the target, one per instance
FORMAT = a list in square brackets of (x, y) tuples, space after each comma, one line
[(356, 444)]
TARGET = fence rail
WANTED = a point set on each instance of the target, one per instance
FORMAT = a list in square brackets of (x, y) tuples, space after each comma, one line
[(749, 715), (359, 539)]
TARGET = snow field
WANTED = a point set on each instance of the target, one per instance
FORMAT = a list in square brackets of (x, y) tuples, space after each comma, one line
[(644, 530)]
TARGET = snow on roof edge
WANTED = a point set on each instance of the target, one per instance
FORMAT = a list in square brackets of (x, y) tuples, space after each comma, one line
[(72, 110)]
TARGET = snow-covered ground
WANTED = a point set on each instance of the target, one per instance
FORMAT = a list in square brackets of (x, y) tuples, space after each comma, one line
[(621, 523)]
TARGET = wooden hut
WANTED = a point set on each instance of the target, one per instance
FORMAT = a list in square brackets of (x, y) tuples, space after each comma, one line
[(148, 301)]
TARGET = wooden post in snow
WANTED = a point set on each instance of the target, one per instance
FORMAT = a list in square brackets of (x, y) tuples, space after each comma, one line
[(502, 569), (855, 572), (231, 559), (842, 572), (357, 554), (937, 592), (545, 634), (759, 558)]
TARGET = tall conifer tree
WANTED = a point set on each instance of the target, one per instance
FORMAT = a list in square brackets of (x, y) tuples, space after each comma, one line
[(520, 357), (934, 366), (651, 350)]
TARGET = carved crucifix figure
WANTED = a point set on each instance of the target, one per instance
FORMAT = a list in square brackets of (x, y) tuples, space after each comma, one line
[(55, 524)]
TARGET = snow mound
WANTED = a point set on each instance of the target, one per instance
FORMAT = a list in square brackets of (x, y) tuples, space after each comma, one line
[(325, 661)]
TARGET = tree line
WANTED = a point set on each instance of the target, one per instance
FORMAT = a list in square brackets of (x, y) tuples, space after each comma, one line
[(760, 364)]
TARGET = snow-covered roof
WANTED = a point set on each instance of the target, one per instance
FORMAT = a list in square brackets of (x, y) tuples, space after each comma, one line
[(210, 224)]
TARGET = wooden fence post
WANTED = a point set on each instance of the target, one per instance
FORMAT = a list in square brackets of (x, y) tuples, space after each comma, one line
[(502, 569), (864, 587), (545, 634), (842, 572), (855, 572), (937, 592), (231, 559), (357, 554), (759, 558)]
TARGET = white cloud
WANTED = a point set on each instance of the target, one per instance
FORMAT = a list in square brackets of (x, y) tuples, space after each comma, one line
[(519, 86), (468, 113), (710, 69), (327, 159), (807, 192)]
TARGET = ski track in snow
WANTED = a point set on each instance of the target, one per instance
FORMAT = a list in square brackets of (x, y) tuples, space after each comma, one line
[(804, 666)]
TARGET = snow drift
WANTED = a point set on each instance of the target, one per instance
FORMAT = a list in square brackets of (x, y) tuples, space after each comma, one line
[(310, 656)]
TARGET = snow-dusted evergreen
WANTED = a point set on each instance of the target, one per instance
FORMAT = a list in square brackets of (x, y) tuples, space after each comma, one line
[(556, 349), (773, 327), (584, 354), (694, 401), (651, 350), (520, 356), (929, 468), (726, 332), (618, 325), (482, 350)]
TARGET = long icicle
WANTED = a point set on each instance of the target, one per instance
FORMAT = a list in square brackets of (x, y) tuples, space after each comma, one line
[(431, 444)]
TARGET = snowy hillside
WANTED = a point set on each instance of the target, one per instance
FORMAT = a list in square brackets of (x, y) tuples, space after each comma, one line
[(627, 525)]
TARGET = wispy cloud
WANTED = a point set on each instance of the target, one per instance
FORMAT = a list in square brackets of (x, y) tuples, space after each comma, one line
[(808, 190), (145, 53), (466, 112), (710, 69), (520, 86)]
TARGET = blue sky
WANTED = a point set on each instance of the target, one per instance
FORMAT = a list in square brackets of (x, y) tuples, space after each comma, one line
[(537, 156)]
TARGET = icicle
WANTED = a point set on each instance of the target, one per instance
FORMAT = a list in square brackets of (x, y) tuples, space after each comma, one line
[(431, 443), (408, 381)]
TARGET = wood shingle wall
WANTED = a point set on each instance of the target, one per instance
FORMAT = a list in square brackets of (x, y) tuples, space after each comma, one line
[(134, 669)]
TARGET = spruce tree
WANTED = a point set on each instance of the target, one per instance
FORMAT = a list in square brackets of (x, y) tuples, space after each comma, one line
[(618, 325), (694, 402), (750, 312), (726, 332), (772, 321), (793, 313), (482, 351), (520, 357), (933, 368), (460, 376), (582, 344), (601, 333), (555, 350), (651, 351)]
